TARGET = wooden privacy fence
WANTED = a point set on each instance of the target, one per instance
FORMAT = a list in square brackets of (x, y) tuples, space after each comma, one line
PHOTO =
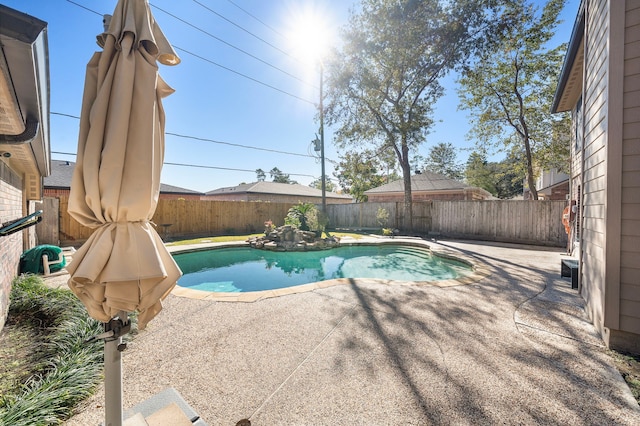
[(529, 222), (188, 218)]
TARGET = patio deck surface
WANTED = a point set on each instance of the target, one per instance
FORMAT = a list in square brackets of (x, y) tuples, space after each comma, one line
[(514, 347)]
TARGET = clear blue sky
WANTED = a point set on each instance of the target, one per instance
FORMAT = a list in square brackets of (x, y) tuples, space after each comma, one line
[(264, 107)]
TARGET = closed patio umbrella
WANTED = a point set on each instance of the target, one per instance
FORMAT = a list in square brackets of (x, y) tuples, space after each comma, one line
[(124, 266)]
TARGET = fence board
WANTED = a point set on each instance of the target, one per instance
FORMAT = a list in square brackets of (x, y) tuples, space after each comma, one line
[(531, 222), (47, 230)]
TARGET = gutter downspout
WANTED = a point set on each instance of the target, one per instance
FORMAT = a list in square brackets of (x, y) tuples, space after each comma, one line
[(30, 132)]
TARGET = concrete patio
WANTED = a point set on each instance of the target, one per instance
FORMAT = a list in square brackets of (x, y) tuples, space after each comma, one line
[(512, 348)]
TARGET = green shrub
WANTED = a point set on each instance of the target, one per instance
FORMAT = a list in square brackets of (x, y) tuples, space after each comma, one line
[(382, 217), (297, 215), (69, 369), (317, 220)]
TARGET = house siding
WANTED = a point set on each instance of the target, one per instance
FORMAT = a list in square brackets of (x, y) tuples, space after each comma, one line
[(630, 197), (593, 157), (11, 246)]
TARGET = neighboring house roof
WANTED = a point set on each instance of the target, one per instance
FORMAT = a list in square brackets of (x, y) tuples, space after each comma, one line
[(425, 181), (62, 172), (170, 189), (274, 188)]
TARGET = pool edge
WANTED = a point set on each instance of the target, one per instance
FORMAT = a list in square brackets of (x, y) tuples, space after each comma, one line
[(480, 271)]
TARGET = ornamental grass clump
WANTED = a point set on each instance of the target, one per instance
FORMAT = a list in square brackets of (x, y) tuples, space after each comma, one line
[(63, 370)]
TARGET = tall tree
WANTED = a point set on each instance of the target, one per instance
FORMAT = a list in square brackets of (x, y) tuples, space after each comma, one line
[(442, 159), (479, 173), (503, 179), (328, 185), (358, 172), (384, 81), (509, 175), (509, 89), (260, 175), (280, 177)]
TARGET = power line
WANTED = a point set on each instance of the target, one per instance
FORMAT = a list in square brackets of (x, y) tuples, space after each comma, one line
[(232, 46), (258, 19), (213, 140), (200, 166), (239, 145), (64, 115), (85, 8), (244, 29), (228, 168), (243, 75), (222, 66)]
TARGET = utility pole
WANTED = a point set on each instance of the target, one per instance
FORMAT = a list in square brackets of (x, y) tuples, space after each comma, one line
[(324, 186)]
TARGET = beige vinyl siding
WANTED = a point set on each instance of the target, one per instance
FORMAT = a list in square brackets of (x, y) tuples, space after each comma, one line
[(595, 136), (630, 209)]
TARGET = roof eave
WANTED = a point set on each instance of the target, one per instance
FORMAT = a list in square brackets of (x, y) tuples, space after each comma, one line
[(575, 42)]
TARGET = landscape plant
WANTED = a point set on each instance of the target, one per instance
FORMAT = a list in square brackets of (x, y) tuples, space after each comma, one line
[(317, 221), (268, 227), (382, 216), (61, 369), (297, 215)]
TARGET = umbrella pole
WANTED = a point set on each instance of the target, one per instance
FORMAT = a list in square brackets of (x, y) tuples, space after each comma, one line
[(113, 383), (113, 347)]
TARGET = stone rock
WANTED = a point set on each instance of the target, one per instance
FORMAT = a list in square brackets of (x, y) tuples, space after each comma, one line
[(288, 238)]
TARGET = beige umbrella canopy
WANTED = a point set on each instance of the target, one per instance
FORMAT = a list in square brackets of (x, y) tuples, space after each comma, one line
[(124, 265)]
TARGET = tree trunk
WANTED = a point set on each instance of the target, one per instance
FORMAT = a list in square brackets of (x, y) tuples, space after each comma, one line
[(406, 175), (530, 176)]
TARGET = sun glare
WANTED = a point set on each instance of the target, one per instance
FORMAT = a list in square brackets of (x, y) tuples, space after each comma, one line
[(310, 34)]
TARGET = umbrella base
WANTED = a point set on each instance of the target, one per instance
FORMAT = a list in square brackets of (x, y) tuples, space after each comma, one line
[(161, 402)]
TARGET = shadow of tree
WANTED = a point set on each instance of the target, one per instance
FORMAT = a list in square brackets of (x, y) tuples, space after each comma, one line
[(504, 350)]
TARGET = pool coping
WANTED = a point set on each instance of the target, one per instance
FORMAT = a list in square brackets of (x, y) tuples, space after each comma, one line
[(480, 271)]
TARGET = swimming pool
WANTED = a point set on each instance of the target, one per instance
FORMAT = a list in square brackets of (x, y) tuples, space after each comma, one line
[(243, 269)]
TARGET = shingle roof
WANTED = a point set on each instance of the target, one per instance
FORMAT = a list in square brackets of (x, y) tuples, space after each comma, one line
[(426, 181), (62, 172), (170, 189), (275, 188)]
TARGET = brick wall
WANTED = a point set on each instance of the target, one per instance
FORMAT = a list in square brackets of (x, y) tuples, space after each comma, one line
[(56, 192), (168, 196), (274, 198), (10, 246)]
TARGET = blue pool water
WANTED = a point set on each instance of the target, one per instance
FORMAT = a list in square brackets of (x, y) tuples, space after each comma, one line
[(242, 269)]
